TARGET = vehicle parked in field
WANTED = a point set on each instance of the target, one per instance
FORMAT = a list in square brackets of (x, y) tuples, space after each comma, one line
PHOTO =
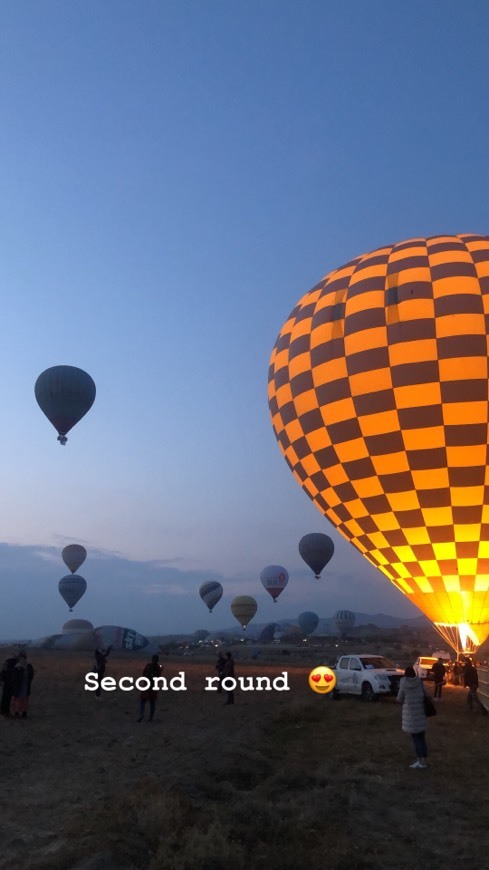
[(423, 666), (367, 675)]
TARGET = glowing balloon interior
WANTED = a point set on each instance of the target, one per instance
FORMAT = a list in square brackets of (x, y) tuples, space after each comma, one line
[(378, 392)]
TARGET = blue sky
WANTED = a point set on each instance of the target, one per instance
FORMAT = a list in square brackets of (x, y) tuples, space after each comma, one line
[(174, 176)]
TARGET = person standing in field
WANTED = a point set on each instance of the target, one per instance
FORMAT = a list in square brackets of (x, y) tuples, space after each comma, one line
[(22, 676), (411, 696), (6, 680), (471, 682), (221, 661), (228, 671), (152, 670), (101, 657), (439, 672)]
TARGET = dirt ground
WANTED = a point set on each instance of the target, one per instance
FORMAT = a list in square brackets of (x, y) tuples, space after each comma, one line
[(280, 779)]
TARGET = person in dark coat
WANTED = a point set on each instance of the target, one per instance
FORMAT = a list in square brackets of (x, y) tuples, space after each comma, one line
[(22, 676), (221, 661), (151, 670), (439, 672), (411, 696), (6, 677), (228, 671), (471, 682), (101, 657)]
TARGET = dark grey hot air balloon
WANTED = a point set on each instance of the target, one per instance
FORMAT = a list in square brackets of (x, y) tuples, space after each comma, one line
[(308, 622), (73, 556), (211, 593), (344, 621), (64, 394), (316, 549), (71, 588), (201, 634)]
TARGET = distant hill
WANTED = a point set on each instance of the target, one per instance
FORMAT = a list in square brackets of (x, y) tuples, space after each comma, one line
[(325, 626)]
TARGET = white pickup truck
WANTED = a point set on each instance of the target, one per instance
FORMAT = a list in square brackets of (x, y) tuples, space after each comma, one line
[(366, 675)]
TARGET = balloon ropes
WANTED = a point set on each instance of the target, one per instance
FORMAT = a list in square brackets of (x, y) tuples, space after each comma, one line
[(211, 593), (379, 401), (316, 549), (274, 579), (71, 588), (243, 608), (74, 556), (64, 394)]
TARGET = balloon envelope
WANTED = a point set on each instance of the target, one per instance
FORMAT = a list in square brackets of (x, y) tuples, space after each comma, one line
[(308, 622), (64, 394), (201, 634), (76, 625), (316, 549), (74, 556), (378, 393), (344, 621), (211, 593), (71, 588), (243, 608), (274, 579), (119, 637)]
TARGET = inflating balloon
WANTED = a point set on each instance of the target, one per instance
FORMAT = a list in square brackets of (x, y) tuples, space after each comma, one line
[(378, 393), (211, 593), (344, 621), (74, 556), (274, 579), (243, 609), (308, 622), (71, 588), (316, 549), (201, 634), (64, 394)]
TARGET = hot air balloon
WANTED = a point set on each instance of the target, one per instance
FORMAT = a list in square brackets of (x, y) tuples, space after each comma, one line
[(211, 593), (71, 588), (344, 621), (201, 634), (64, 394), (378, 393), (119, 637), (77, 625), (268, 633), (243, 609), (308, 622), (316, 549), (74, 556), (274, 579)]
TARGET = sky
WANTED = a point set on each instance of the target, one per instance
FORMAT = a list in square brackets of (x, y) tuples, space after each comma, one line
[(174, 177)]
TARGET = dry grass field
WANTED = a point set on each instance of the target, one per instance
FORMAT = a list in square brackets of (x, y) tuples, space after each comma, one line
[(279, 781)]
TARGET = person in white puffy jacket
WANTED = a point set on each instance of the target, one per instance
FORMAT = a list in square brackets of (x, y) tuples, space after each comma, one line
[(411, 695)]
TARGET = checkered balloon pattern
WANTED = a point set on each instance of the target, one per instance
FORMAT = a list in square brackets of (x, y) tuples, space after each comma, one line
[(378, 392)]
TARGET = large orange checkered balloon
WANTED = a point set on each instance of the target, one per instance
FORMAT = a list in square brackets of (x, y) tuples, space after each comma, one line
[(378, 392)]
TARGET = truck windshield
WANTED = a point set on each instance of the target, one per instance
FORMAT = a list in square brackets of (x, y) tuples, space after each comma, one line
[(376, 662)]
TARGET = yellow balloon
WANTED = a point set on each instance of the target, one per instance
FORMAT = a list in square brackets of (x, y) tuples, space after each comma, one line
[(243, 608), (378, 393)]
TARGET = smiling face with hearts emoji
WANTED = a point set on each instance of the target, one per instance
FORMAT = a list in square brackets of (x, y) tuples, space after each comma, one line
[(322, 680)]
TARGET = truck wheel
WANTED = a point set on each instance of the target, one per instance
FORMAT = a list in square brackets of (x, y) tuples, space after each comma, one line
[(368, 693)]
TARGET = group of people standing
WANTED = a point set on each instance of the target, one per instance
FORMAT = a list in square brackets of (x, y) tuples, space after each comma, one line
[(16, 680), (412, 697)]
